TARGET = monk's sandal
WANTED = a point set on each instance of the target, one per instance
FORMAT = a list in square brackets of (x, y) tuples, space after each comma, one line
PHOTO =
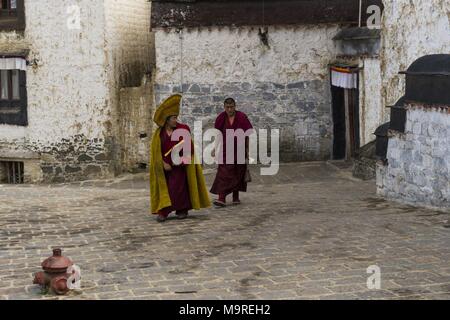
[(219, 204)]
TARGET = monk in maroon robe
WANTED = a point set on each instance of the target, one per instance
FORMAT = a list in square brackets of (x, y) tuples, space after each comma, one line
[(231, 177), (176, 176)]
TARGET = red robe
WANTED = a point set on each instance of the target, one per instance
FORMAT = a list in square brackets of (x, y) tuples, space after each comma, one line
[(230, 177), (177, 182)]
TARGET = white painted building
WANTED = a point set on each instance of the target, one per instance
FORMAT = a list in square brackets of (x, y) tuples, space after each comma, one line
[(69, 69)]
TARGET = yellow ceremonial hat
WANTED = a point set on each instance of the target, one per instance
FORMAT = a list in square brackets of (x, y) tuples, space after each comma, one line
[(169, 107)]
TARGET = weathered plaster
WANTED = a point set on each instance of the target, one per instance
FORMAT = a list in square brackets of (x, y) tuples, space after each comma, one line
[(230, 55), (128, 40), (68, 103), (129, 62), (411, 29), (136, 109), (418, 168)]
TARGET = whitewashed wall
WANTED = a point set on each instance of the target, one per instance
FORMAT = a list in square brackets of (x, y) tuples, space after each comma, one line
[(73, 91), (418, 161), (411, 29), (66, 91)]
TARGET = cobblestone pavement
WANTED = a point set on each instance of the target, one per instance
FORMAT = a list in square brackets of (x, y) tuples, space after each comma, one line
[(310, 232)]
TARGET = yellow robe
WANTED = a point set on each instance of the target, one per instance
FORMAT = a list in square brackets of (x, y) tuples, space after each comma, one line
[(159, 193)]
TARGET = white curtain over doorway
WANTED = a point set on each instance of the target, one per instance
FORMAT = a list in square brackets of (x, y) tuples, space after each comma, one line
[(13, 64)]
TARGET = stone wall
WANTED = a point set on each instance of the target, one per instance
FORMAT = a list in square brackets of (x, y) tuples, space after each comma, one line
[(418, 169), (410, 29), (285, 86)]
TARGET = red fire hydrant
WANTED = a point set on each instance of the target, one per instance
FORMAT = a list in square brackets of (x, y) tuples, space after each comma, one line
[(55, 273)]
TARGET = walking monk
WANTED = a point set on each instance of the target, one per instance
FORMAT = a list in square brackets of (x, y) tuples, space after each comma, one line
[(178, 188), (231, 177)]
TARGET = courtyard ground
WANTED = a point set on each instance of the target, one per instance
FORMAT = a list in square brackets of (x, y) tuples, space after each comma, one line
[(310, 232)]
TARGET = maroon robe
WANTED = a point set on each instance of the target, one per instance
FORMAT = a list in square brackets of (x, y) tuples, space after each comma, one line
[(177, 182), (230, 177)]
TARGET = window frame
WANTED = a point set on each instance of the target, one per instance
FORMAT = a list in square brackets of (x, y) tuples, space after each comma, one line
[(15, 111), (13, 22)]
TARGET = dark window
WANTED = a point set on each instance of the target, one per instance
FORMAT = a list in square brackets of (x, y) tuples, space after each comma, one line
[(12, 15), (13, 97), (11, 172), (9, 85)]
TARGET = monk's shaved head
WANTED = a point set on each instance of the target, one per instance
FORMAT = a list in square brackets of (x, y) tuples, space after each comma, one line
[(229, 101), (230, 107)]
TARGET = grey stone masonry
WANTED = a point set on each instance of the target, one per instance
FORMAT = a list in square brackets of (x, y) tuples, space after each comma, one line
[(418, 169), (300, 110), (73, 159)]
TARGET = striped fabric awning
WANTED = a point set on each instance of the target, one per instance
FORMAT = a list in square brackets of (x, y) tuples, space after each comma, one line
[(344, 78), (16, 63)]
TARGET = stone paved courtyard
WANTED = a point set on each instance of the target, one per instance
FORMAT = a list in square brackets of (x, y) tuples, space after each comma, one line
[(310, 232)]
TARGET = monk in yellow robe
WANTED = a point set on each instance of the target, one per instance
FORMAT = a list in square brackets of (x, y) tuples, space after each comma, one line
[(174, 187)]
